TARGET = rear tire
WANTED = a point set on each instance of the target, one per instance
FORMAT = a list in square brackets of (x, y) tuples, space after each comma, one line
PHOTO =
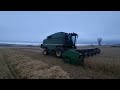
[(45, 52)]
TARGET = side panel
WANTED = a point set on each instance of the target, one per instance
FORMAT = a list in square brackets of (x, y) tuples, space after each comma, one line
[(52, 43), (57, 39)]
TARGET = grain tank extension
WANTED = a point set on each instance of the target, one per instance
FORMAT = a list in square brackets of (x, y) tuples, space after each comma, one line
[(63, 45)]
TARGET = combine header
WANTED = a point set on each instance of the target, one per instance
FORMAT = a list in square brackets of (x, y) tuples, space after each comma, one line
[(63, 45)]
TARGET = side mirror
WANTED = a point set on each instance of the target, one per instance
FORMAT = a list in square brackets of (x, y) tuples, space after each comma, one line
[(77, 36)]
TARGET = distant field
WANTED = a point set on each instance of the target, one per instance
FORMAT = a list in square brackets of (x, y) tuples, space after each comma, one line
[(30, 63)]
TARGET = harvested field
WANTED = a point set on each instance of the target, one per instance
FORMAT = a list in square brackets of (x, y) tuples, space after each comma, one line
[(6, 70), (29, 69), (30, 63)]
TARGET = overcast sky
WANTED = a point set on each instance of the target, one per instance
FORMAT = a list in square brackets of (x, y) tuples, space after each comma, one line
[(34, 26)]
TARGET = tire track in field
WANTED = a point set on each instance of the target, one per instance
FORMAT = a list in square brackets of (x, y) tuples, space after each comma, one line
[(8, 71)]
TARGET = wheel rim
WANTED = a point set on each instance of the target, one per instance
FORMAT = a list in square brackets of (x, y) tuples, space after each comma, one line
[(58, 53), (44, 52)]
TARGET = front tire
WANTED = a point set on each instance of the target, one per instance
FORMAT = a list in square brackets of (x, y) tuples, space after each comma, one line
[(58, 52)]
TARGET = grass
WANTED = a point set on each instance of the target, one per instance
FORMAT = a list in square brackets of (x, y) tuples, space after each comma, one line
[(110, 66)]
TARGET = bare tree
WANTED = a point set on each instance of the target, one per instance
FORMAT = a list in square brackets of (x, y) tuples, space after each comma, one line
[(99, 40)]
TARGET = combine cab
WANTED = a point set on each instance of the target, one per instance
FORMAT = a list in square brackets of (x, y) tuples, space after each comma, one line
[(63, 45)]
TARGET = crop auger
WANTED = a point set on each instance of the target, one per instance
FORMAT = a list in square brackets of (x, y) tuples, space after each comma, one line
[(63, 45)]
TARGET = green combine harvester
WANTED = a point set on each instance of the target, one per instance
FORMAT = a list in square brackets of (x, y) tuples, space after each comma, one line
[(63, 45)]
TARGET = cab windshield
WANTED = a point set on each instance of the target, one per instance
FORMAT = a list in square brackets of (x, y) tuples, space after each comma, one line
[(71, 39), (74, 39)]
